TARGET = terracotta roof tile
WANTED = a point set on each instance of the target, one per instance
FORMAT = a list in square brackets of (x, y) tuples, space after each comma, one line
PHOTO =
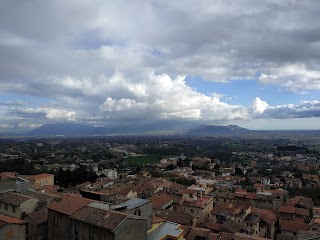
[(98, 217), (213, 226), (160, 201), (294, 226), (286, 209), (11, 220), (40, 216), (13, 198), (302, 212), (70, 204), (265, 215), (175, 216), (200, 202), (250, 195)]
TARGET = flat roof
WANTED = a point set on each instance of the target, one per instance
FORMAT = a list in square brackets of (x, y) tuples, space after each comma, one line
[(133, 203), (165, 229)]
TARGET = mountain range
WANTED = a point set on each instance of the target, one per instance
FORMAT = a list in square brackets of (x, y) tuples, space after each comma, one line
[(183, 128), (188, 128)]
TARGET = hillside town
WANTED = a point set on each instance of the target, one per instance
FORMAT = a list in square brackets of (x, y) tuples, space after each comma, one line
[(159, 189)]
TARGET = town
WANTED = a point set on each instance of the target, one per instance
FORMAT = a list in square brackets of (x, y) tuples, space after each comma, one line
[(168, 187)]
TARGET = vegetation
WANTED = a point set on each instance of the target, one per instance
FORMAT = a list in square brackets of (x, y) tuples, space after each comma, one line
[(310, 192), (142, 160), (20, 166), (72, 178)]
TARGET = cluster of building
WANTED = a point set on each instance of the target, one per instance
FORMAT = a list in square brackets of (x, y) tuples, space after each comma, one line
[(142, 207)]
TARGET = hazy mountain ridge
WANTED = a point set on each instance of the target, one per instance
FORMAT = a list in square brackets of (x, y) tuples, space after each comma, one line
[(214, 129), (159, 128), (143, 128)]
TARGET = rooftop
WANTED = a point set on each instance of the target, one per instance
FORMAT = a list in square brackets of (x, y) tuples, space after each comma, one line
[(98, 217), (11, 220), (133, 203), (166, 229), (13, 198), (40, 216), (70, 204)]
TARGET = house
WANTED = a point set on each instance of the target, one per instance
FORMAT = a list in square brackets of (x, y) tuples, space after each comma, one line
[(199, 207), (291, 228), (162, 229), (40, 179), (38, 224), (162, 202), (221, 212), (137, 206), (79, 218), (161, 185), (176, 217), (17, 205), (12, 228)]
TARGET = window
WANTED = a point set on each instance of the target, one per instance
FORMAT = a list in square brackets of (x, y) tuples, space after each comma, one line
[(191, 210), (14, 209), (76, 229), (91, 234), (55, 222), (137, 212), (6, 206)]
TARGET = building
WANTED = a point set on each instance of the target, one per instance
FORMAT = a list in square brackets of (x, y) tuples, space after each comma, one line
[(165, 230), (197, 206), (139, 207), (17, 205), (38, 224), (110, 173), (40, 179), (12, 228), (82, 219)]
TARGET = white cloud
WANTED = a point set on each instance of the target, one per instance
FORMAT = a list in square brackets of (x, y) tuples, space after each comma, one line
[(164, 97), (111, 60), (295, 77), (259, 106)]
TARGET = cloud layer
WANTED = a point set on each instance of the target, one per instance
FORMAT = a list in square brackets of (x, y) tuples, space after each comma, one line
[(102, 62)]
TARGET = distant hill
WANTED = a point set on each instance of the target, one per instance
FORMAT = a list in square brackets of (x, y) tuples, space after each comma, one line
[(213, 130), (67, 129), (164, 127), (156, 128)]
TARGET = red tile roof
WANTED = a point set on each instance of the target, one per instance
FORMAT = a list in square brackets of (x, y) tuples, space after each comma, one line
[(160, 201), (11, 220), (286, 209), (70, 204), (13, 198), (175, 216), (302, 212), (200, 202), (98, 217), (213, 226), (250, 195), (294, 226), (40, 216), (265, 215)]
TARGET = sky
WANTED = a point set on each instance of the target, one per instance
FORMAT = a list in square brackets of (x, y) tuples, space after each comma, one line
[(252, 63)]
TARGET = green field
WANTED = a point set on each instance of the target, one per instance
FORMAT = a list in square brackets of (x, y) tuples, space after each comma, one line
[(142, 160)]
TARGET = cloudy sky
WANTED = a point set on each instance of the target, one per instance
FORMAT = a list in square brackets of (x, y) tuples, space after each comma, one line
[(246, 62)]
